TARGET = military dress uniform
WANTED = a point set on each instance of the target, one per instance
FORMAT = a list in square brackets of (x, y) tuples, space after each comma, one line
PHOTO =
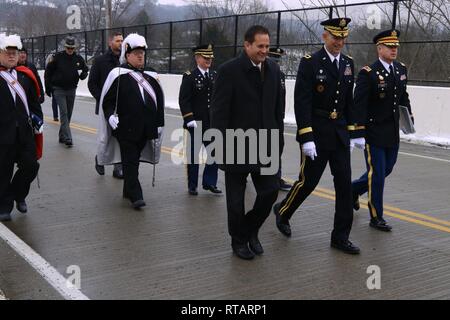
[(324, 112), (380, 90), (195, 101)]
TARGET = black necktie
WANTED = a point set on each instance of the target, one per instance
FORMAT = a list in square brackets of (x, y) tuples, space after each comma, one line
[(391, 73), (206, 75), (335, 62)]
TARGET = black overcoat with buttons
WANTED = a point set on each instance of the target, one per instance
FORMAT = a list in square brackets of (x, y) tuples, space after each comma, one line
[(378, 96), (324, 107), (195, 96)]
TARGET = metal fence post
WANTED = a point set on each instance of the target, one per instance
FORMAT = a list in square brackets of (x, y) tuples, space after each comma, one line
[(394, 14), (201, 32), (32, 50), (85, 46), (236, 27), (330, 15), (103, 41), (170, 46), (278, 28)]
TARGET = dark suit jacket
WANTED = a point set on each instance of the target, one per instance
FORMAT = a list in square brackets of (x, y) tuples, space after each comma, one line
[(13, 116), (378, 99), (136, 117), (244, 99), (99, 72), (320, 90)]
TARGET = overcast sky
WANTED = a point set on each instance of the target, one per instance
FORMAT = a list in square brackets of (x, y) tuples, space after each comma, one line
[(275, 4)]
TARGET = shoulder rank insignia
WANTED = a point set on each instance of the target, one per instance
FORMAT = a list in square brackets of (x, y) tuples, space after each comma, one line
[(307, 56), (350, 57), (188, 73), (403, 64), (367, 68)]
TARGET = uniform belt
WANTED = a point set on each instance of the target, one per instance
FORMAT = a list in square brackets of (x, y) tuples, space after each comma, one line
[(327, 114)]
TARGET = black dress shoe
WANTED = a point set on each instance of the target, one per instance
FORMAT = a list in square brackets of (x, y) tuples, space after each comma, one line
[(242, 251), (118, 174), (213, 189), (284, 227), (356, 204), (100, 169), (345, 246), (138, 204), (55, 119), (284, 186), (69, 144), (62, 141), (22, 206), (255, 246), (6, 216), (380, 225), (193, 192)]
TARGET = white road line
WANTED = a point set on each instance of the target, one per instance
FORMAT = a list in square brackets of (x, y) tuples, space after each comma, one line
[(423, 157), (50, 274)]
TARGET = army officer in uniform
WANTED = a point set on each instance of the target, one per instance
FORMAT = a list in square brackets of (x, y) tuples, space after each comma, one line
[(380, 90), (195, 100), (325, 117)]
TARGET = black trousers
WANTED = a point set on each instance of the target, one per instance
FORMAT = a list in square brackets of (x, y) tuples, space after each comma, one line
[(131, 152), (310, 173), (240, 224), (15, 187)]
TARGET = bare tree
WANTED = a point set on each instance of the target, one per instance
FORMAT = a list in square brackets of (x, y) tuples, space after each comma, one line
[(218, 8)]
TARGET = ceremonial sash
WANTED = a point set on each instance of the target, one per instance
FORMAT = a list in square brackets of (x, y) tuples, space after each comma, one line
[(17, 87), (142, 82)]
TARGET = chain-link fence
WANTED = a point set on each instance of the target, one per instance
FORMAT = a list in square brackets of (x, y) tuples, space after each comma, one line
[(425, 43)]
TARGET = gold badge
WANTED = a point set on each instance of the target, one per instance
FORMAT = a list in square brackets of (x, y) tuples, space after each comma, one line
[(210, 47), (394, 33), (343, 23), (333, 115), (320, 88), (381, 78)]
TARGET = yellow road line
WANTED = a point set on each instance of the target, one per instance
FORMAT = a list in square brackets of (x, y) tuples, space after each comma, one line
[(391, 208), (394, 212)]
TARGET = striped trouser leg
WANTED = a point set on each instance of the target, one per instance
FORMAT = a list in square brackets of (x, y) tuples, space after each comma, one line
[(310, 173)]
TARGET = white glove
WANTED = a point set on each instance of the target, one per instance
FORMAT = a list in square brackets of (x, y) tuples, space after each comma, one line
[(114, 122), (192, 124), (40, 131), (309, 148), (359, 143), (160, 130)]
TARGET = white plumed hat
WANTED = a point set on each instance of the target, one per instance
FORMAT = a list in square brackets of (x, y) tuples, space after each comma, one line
[(12, 41), (132, 42)]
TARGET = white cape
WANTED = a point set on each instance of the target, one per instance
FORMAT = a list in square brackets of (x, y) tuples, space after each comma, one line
[(108, 151)]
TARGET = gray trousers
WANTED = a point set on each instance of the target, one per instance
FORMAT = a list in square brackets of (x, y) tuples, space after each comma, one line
[(65, 100)]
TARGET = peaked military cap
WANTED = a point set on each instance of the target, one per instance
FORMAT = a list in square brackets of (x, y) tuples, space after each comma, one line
[(276, 52), (205, 50), (338, 27), (388, 38)]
